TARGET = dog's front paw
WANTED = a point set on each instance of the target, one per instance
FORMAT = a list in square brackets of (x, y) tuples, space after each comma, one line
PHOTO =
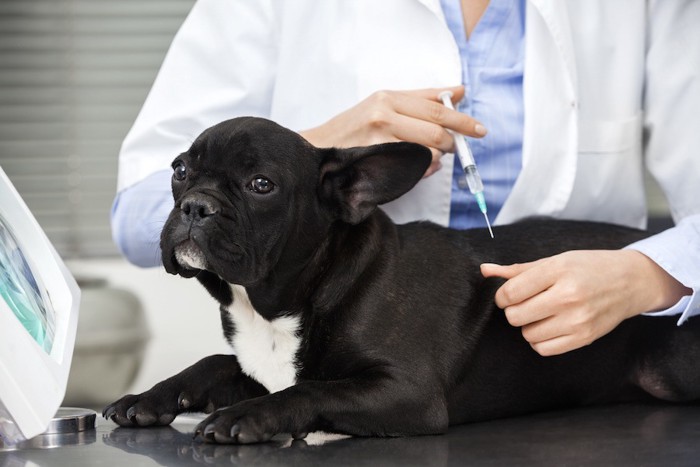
[(244, 423), (159, 406), (213, 382), (143, 410)]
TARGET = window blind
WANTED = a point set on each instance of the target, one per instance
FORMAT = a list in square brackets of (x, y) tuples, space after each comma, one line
[(73, 76)]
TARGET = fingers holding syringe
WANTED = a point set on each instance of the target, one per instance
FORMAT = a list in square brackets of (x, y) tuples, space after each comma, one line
[(434, 124), (415, 116), (426, 133), (425, 105), (420, 119)]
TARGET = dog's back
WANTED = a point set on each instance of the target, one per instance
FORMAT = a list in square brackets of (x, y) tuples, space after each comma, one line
[(495, 372)]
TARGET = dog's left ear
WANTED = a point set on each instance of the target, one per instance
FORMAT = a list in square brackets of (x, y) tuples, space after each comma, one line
[(356, 180)]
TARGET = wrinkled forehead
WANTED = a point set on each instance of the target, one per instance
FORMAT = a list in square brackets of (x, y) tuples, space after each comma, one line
[(250, 143)]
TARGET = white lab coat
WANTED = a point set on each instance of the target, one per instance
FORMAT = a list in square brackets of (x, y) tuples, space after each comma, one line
[(607, 83)]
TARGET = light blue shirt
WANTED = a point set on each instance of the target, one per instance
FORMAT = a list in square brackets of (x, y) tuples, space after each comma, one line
[(492, 74)]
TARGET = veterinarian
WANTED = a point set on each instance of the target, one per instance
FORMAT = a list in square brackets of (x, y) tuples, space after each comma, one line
[(567, 103)]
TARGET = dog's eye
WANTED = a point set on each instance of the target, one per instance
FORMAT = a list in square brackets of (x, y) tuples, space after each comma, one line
[(179, 172), (261, 185)]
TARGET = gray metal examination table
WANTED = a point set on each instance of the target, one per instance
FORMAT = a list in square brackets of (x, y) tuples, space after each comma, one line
[(628, 434)]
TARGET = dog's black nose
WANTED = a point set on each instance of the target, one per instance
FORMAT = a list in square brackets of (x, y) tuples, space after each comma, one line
[(198, 207)]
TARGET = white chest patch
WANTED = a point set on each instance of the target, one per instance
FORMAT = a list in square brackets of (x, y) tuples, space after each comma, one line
[(265, 349)]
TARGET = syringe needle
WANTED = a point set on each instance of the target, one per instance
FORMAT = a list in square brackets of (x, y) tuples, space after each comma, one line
[(488, 224), (481, 202)]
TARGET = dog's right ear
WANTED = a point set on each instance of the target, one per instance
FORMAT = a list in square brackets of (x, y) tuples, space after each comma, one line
[(355, 180)]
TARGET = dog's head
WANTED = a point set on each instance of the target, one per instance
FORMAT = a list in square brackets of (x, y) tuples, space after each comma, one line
[(249, 192)]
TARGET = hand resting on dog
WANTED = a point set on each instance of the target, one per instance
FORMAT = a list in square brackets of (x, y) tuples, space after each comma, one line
[(562, 303)]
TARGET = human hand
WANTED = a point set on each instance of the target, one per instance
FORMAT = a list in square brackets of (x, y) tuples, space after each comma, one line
[(416, 116), (569, 300)]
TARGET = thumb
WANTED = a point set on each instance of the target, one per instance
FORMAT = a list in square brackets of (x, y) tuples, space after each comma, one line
[(506, 272)]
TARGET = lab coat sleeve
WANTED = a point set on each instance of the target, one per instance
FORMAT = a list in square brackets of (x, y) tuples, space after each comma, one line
[(138, 215), (221, 64), (671, 102), (677, 251), (672, 143)]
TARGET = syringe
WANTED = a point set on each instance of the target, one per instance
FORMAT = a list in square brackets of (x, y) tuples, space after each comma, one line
[(466, 158)]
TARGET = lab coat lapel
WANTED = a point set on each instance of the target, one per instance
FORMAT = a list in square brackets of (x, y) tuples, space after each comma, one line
[(556, 17), (434, 6), (550, 132)]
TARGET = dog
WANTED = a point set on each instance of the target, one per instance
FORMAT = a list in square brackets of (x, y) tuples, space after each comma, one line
[(342, 321)]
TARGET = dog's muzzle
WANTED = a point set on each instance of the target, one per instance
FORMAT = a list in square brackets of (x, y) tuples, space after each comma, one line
[(197, 211)]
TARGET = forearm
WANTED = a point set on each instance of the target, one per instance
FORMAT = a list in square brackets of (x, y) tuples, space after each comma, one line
[(138, 215)]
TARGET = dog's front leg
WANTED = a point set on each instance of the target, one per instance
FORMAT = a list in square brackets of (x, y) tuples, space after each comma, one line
[(357, 406), (211, 383)]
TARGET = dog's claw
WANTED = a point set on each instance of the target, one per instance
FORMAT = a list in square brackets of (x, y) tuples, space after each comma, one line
[(209, 433), (131, 414), (183, 401), (108, 412), (300, 435)]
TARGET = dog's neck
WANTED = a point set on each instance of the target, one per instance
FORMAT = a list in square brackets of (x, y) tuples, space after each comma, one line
[(322, 279)]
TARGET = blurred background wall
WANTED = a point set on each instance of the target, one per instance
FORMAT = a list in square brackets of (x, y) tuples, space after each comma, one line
[(73, 75)]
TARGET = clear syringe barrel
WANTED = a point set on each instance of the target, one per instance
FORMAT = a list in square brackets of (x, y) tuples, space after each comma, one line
[(473, 179), (466, 158)]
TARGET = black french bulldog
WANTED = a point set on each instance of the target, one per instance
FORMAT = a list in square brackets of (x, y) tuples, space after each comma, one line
[(344, 322)]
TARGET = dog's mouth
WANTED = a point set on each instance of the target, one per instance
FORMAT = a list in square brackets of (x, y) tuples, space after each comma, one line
[(188, 249), (190, 256)]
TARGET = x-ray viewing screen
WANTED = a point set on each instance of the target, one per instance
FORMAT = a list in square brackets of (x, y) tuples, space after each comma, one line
[(23, 293)]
